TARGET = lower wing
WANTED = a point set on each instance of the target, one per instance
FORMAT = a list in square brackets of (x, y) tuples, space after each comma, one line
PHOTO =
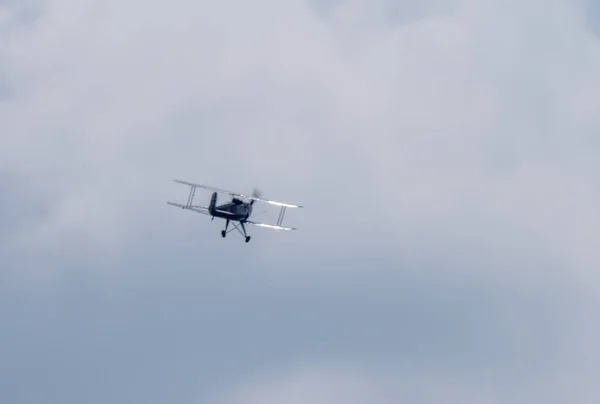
[(270, 226), (199, 209)]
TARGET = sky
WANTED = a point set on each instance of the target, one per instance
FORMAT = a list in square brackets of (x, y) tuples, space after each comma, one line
[(445, 153)]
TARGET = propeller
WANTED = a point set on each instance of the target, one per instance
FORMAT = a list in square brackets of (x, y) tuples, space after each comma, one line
[(256, 193)]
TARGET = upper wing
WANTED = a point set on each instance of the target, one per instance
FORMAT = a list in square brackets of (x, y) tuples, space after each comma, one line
[(287, 205), (191, 184), (282, 204), (270, 226)]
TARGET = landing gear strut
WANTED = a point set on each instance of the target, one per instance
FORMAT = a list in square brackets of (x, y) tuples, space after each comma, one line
[(224, 232), (236, 227)]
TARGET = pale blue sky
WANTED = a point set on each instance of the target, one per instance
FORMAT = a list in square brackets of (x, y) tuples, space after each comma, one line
[(445, 153)]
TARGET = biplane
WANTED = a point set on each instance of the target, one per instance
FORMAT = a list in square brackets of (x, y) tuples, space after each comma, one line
[(237, 211)]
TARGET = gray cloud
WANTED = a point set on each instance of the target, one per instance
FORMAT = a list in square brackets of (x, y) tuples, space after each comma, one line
[(446, 159), (15, 14), (382, 13), (592, 14)]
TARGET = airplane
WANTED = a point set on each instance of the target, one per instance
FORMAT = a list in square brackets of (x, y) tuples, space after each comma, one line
[(237, 210)]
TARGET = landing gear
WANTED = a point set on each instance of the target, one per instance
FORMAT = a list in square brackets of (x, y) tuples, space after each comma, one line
[(224, 232), (236, 227)]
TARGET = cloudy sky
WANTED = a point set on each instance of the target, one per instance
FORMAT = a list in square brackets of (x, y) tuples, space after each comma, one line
[(446, 153)]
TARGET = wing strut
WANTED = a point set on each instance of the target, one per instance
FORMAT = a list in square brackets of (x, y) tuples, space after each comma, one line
[(281, 215), (192, 194)]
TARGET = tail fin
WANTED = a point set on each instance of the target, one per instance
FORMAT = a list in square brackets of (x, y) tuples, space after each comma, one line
[(213, 202)]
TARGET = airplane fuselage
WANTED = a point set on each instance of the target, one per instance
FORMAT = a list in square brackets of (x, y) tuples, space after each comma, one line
[(236, 210)]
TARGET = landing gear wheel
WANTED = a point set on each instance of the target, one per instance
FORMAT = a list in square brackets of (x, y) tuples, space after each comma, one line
[(223, 233), (247, 238)]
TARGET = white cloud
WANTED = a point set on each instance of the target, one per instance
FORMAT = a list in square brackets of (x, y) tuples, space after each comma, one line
[(319, 385), (456, 141), (342, 384), (482, 114)]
